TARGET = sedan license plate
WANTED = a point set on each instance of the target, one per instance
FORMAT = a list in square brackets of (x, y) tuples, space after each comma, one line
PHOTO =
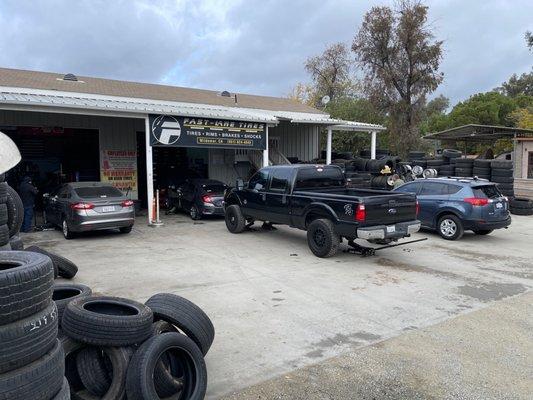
[(108, 209), (391, 229)]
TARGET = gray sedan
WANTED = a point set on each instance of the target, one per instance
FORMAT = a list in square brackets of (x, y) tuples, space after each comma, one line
[(87, 206)]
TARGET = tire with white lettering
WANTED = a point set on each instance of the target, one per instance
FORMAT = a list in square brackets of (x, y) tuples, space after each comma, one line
[(64, 293), (322, 238), (186, 316), (26, 281), (41, 379), (15, 211), (65, 268), (27, 339), (107, 321)]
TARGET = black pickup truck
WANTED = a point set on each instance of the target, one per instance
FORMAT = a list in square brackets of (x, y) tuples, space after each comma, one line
[(315, 198)]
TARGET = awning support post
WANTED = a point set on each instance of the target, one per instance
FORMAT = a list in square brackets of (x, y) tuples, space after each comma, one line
[(373, 145), (149, 172), (328, 146), (265, 151)]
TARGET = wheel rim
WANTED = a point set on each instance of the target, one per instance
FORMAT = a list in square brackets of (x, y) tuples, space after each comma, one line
[(232, 220), (194, 212), (448, 227), (319, 237), (65, 228)]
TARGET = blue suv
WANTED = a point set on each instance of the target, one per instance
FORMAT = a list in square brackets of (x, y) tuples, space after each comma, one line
[(452, 205)]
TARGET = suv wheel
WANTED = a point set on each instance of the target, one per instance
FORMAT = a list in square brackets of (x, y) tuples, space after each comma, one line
[(322, 239), (450, 227), (66, 230)]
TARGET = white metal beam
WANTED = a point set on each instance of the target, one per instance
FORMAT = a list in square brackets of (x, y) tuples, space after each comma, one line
[(373, 146), (328, 146), (265, 152), (149, 172)]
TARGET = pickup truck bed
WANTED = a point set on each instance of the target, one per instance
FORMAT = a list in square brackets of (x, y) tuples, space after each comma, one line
[(316, 199)]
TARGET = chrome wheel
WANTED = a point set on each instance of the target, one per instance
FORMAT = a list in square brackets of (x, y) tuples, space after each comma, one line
[(448, 227), (65, 228)]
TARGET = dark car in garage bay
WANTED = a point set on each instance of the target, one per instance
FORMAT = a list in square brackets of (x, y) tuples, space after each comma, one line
[(202, 197), (87, 206), (452, 205)]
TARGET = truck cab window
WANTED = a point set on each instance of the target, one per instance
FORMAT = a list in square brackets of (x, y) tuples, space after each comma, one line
[(259, 180), (280, 179)]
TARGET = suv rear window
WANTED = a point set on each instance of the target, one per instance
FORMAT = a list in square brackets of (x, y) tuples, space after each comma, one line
[(486, 192), (97, 191), (319, 177)]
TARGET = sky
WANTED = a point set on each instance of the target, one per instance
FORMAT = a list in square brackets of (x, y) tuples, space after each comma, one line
[(247, 46)]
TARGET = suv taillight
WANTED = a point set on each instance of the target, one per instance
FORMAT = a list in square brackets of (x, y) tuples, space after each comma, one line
[(82, 206), (476, 201), (360, 213), (127, 203)]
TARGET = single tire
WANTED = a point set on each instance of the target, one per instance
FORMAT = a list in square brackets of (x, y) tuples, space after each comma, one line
[(65, 268), (450, 227), (140, 379), (15, 211), (322, 238), (107, 321), (481, 171), (65, 229), (501, 164), (482, 163), (501, 179), (4, 235), (119, 358), (483, 231), (64, 293), (64, 393), (235, 221), (186, 316), (92, 370), (26, 281), (126, 229), (42, 379), (16, 243), (508, 173), (463, 172), (451, 153), (520, 202), (415, 155), (521, 211), (194, 213), (464, 163), (3, 214), (27, 339)]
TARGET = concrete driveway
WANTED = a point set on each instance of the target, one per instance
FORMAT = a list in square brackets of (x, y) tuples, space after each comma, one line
[(277, 308)]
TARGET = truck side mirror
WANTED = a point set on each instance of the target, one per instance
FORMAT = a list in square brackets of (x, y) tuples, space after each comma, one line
[(239, 184)]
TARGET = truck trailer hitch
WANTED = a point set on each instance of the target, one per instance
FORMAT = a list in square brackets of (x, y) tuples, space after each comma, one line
[(370, 251)]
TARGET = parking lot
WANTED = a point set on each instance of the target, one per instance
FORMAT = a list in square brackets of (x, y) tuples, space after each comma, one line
[(277, 308)]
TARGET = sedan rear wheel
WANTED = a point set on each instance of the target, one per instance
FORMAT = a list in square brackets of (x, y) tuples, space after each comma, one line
[(450, 227), (195, 213), (66, 230)]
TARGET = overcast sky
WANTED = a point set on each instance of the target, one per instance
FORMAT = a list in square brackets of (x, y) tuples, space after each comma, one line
[(251, 46)]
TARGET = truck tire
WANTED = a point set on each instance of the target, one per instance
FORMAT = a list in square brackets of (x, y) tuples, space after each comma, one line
[(140, 383), (26, 281), (27, 339), (107, 321), (15, 211), (235, 221), (450, 227), (65, 268), (64, 293), (322, 239), (186, 316), (42, 379)]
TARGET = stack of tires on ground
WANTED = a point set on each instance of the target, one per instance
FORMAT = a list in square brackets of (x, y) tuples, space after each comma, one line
[(32, 360), (11, 216), (521, 206), (501, 173), (117, 348)]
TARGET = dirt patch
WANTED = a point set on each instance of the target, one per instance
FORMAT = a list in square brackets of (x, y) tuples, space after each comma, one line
[(486, 292), (387, 262)]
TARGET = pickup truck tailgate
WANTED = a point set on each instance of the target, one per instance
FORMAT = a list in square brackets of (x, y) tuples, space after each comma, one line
[(390, 209)]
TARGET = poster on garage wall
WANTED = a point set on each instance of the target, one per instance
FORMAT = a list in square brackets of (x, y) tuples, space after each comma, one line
[(168, 130), (119, 168)]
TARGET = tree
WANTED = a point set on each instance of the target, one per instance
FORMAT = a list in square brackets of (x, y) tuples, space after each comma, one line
[(517, 85), (529, 40), (331, 73), (400, 59)]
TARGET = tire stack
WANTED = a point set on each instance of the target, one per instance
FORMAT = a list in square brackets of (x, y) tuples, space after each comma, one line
[(521, 206), (417, 158), (11, 217), (502, 175), (464, 167), (32, 363), (118, 348), (435, 164), (4, 229), (482, 169)]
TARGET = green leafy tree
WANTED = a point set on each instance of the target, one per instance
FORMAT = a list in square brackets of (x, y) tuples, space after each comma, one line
[(400, 59), (518, 85)]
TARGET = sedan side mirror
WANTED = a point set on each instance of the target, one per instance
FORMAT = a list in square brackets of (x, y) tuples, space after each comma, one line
[(46, 195), (239, 184)]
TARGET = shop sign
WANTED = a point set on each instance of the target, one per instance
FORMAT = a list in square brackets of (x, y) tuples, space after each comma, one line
[(119, 168), (168, 130)]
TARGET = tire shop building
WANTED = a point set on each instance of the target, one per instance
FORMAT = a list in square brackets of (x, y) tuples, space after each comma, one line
[(141, 136)]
